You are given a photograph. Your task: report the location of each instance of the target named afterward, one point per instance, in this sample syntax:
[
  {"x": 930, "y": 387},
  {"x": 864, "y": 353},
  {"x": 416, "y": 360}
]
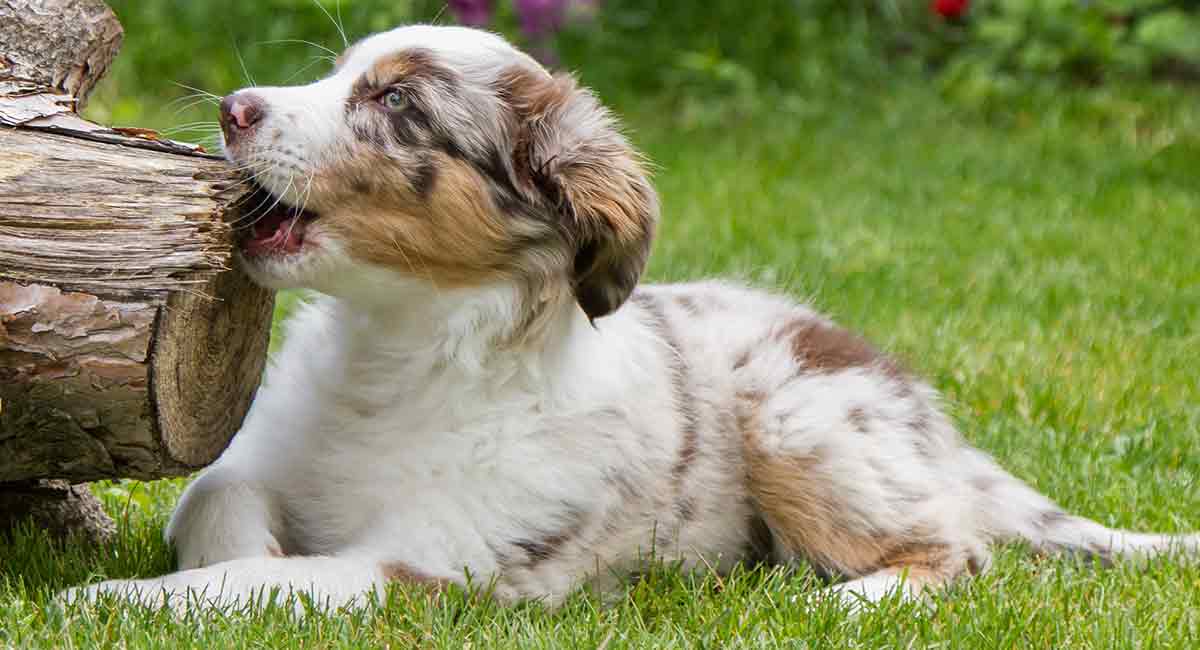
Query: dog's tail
[{"x": 1013, "y": 511}]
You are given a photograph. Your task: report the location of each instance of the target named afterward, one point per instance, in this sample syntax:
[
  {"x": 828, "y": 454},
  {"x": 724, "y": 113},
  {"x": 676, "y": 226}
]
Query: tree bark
[
  {"x": 58, "y": 507},
  {"x": 129, "y": 344},
  {"x": 58, "y": 47}
]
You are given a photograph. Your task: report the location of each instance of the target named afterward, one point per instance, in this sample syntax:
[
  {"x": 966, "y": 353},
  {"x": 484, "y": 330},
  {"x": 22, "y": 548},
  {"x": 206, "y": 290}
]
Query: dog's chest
[{"x": 450, "y": 490}]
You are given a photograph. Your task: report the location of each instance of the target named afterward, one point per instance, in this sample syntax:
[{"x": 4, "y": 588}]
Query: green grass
[{"x": 1037, "y": 261}]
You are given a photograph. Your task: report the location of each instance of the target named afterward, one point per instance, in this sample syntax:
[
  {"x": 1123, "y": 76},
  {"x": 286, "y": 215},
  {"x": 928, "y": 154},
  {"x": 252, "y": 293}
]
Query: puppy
[{"x": 482, "y": 388}]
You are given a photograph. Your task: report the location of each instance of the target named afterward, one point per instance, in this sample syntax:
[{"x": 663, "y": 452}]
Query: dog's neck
[{"x": 474, "y": 332}]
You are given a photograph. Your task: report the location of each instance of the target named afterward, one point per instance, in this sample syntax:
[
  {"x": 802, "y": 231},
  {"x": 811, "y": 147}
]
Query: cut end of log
[{"x": 207, "y": 362}]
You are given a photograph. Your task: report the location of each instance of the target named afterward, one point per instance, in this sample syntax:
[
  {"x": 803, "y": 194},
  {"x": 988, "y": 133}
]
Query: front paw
[{"x": 149, "y": 593}]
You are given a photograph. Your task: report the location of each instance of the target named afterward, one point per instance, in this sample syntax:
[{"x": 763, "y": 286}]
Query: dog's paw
[{"x": 149, "y": 593}]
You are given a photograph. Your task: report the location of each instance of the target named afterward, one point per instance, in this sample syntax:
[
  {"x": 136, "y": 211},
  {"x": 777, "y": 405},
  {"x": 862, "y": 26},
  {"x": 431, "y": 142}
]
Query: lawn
[{"x": 1035, "y": 259}]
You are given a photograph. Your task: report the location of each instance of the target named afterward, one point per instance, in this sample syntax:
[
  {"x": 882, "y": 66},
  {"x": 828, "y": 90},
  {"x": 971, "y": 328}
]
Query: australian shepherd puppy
[{"x": 483, "y": 388}]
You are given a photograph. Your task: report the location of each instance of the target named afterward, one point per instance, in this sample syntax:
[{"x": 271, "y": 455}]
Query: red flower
[{"x": 950, "y": 9}]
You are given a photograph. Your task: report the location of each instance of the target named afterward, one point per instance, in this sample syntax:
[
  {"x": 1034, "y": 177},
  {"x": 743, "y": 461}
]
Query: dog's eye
[{"x": 394, "y": 99}]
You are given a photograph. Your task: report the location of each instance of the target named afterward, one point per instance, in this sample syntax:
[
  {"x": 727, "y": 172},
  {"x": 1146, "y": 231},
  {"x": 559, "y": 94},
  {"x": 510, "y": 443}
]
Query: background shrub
[{"x": 705, "y": 59}]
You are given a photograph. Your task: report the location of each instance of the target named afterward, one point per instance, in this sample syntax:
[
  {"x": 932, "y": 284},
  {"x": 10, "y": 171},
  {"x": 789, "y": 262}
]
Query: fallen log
[{"x": 130, "y": 345}]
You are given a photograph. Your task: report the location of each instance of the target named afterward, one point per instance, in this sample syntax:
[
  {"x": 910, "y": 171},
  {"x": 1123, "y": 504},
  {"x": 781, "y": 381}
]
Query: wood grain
[
  {"x": 208, "y": 361},
  {"x": 90, "y": 216}
]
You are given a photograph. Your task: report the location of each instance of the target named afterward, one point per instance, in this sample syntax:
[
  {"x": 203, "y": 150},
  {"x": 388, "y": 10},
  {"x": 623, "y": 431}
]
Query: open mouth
[{"x": 271, "y": 227}]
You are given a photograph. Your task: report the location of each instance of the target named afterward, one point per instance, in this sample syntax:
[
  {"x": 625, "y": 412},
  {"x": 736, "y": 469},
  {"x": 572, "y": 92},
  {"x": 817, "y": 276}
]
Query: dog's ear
[{"x": 568, "y": 148}]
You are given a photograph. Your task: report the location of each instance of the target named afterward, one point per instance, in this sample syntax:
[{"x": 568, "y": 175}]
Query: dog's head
[{"x": 442, "y": 155}]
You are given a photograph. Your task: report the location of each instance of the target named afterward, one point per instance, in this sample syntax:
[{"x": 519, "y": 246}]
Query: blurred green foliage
[
  {"x": 710, "y": 57},
  {"x": 998, "y": 42},
  {"x": 653, "y": 45}
]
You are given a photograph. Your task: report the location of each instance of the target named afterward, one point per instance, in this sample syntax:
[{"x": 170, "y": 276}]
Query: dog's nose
[{"x": 240, "y": 112}]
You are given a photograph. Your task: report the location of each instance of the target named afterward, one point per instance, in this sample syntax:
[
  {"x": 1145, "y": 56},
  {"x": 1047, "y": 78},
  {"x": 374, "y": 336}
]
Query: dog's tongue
[{"x": 278, "y": 231}]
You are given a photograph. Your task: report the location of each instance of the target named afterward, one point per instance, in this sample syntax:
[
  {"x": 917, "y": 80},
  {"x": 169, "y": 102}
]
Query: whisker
[
  {"x": 251, "y": 214},
  {"x": 192, "y": 125},
  {"x": 278, "y": 198},
  {"x": 250, "y": 165},
  {"x": 301, "y": 41},
  {"x": 342, "y": 32},
  {"x": 441, "y": 12},
  {"x": 254, "y": 170},
  {"x": 194, "y": 103},
  {"x": 240, "y": 183},
  {"x": 194, "y": 98},
  {"x": 236, "y": 185},
  {"x": 198, "y": 90},
  {"x": 189, "y": 107},
  {"x": 237, "y": 51},
  {"x": 306, "y": 67},
  {"x": 292, "y": 225},
  {"x": 193, "y": 130},
  {"x": 308, "y": 190},
  {"x": 337, "y": 5}
]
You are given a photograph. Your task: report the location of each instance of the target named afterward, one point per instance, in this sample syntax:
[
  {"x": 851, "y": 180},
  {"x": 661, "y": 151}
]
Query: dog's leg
[
  {"x": 866, "y": 496},
  {"x": 863, "y": 479},
  {"x": 329, "y": 581},
  {"x": 223, "y": 516},
  {"x": 909, "y": 572}
]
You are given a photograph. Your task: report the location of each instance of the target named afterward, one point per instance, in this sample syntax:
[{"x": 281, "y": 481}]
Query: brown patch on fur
[
  {"x": 927, "y": 564},
  {"x": 921, "y": 420},
  {"x": 687, "y": 452},
  {"x": 542, "y": 549},
  {"x": 450, "y": 233},
  {"x": 857, "y": 417},
  {"x": 402, "y": 572},
  {"x": 688, "y": 304},
  {"x": 685, "y": 405},
  {"x": 828, "y": 348},
  {"x": 926, "y": 557},
  {"x": 548, "y": 546},
  {"x": 411, "y": 66},
  {"x": 685, "y": 509},
  {"x": 798, "y": 502}
]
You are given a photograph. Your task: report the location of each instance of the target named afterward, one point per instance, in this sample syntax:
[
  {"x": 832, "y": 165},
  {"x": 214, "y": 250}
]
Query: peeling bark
[
  {"x": 96, "y": 386},
  {"x": 59, "y": 47}
]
